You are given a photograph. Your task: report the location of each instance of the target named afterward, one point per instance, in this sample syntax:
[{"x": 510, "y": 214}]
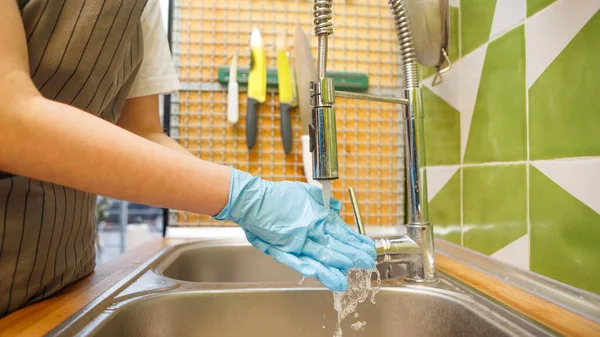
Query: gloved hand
[{"x": 288, "y": 221}]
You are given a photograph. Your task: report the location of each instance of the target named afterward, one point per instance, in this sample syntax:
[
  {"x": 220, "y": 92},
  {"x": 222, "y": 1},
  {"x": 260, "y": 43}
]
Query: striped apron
[{"x": 84, "y": 53}]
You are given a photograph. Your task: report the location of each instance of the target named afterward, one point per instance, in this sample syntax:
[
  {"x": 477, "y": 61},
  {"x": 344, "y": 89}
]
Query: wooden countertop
[{"x": 41, "y": 317}]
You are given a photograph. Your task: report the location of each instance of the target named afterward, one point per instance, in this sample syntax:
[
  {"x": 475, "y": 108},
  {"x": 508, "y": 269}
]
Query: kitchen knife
[
  {"x": 257, "y": 85},
  {"x": 305, "y": 73},
  {"x": 232, "y": 94},
  {"x": 286, "y": 95}
]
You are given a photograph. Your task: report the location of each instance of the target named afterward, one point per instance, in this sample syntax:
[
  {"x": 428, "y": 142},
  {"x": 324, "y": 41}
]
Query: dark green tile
[
  {"x": 444, "y": 210},
  {"x": 498, "y": 128},
  {"x": 453, "y": 48},
  {"x": 494, "y": 203},
  {"x": 442, "y": 130},
  {"x": 534, "y": 6},
  {"x": 565, "y": 235},
  {"x": 564, "y": 116},
  {"x": 476, "y": 23}
]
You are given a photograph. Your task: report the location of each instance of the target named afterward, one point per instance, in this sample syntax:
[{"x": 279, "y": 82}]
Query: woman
[{"x": 79, "y": 81}]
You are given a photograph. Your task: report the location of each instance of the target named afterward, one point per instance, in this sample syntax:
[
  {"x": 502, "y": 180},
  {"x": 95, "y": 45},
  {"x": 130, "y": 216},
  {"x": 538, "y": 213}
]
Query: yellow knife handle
[
  {"x": 257, "y": 79},
  {"x": 284, "y": 79}
]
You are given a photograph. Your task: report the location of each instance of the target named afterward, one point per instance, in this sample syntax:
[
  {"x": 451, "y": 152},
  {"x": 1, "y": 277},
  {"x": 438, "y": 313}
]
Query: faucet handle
[{"x": 356, "y": 210}]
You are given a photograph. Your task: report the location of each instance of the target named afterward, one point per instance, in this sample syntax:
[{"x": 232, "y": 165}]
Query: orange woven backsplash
[{"x": 370, "y": 143}]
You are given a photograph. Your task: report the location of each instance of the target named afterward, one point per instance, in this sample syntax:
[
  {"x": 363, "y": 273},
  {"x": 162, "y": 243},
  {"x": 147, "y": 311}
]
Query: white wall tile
[
  {"x": 471, "y": 69},
  {"x": 507, "y": 15},
  {"x": 516, "y": 253},
  {"x": 578, "y": 176},
  {"x": 460, "y": 87},
  {"x": 438, "y": 177}
]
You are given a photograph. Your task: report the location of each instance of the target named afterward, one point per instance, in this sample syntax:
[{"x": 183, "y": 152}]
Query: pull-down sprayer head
[{"x": 322, "y": 131}]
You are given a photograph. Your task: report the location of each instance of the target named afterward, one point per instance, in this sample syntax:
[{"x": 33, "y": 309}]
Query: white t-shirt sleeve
[{"x": 157, "y": 73}]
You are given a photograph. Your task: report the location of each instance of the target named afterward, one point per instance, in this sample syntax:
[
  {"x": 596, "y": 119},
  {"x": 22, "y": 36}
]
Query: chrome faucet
[{"x": 415, "y": 248}]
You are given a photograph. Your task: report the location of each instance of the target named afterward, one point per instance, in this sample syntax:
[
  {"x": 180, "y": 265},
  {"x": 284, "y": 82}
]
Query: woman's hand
[{"x": 288, "y": 221}]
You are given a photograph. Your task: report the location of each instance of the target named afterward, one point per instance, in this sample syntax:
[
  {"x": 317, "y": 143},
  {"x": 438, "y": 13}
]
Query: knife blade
[
  {"x": 286, "y": 94},
  {"x": 257, "y": 85},
  {"x": 305, "y": 73}
]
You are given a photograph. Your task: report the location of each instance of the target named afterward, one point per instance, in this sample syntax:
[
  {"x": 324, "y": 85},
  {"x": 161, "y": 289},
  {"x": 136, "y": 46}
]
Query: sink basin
[
  {"x": 227, "y": 263},
  {"x": 235, "y": 263},
  {"x": 402, "y": 312},
  {"x": 227, "y": 288}
]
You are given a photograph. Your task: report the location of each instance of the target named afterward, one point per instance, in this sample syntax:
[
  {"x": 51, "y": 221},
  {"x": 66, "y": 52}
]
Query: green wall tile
[
  {"x": 476, "y": 20},
  {"x": 565, "y": 235},
  {"x": 453, "y": 52},
  {"x": 498, "y": 129},
  {"x": 494, "y": 203},
  {"x": 444, "y": 210},
  {"x": 534, "y": 6},
  {"x": 563, "y": 102},
  {"x": 442, "y": 130}
]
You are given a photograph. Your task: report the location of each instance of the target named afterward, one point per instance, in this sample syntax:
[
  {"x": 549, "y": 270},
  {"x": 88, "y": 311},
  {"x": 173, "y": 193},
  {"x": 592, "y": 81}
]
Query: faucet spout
[
  {"x": 401, "y": 249},
  {"x": 416, "y": 248}
]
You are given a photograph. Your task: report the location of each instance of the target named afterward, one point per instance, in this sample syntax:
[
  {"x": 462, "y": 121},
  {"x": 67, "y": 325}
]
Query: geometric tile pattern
[
  {"x": 442, "y": 131},
  {"x": 438, "y": 177},
  {"x": 577, "y": 176},
  {"x": 534, "y": 6},
  {"x": 563, "y": 102},
  {"x": 507, "y": 15},
  {"x": 444, "y": 210},
  {"x": 564, "y": 235},
  {"x": 460, "y": 87},
  {"x": 476, "y": 23},
  {"x": 526, "y": 187},
  {"x": 494, "y": 201},
  {"x": 516, "y": 253},
  {"x": 546, "y": 39},
  {"x": 498, "y": 128}
]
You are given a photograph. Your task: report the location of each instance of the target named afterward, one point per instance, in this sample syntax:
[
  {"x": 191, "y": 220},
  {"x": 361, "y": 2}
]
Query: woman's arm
[
  {"x": 54, "y": 142},
  {"x": 140, "y": 116}
]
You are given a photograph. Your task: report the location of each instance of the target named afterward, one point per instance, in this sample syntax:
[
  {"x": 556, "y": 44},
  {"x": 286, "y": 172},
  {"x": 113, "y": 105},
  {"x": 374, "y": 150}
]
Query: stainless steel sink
[
  {"x": 227, "y": 288},
  {"x": 274, "y": 313},
  {"x": 227, "y": 263},
  {"x": 234, "y": 262}
]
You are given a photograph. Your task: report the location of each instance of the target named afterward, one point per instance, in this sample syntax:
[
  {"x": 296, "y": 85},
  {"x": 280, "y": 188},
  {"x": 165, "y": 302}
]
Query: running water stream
[
  {"x": 326, "y": 193},
  {"x": 359, "y": 288},
  {"x": 359, "y": 284}
]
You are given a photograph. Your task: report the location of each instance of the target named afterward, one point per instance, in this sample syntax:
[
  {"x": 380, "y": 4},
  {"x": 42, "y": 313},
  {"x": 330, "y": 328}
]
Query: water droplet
[{"x": 358, "y": 325}]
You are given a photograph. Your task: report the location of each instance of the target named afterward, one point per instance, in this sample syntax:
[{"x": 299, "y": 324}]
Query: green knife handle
[
  {"x": 286, "y": 128},
  {"x": 251, "y": 122}
]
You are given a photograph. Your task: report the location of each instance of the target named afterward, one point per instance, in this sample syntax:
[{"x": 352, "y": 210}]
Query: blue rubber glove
[{"x": 288, "y": 221}]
